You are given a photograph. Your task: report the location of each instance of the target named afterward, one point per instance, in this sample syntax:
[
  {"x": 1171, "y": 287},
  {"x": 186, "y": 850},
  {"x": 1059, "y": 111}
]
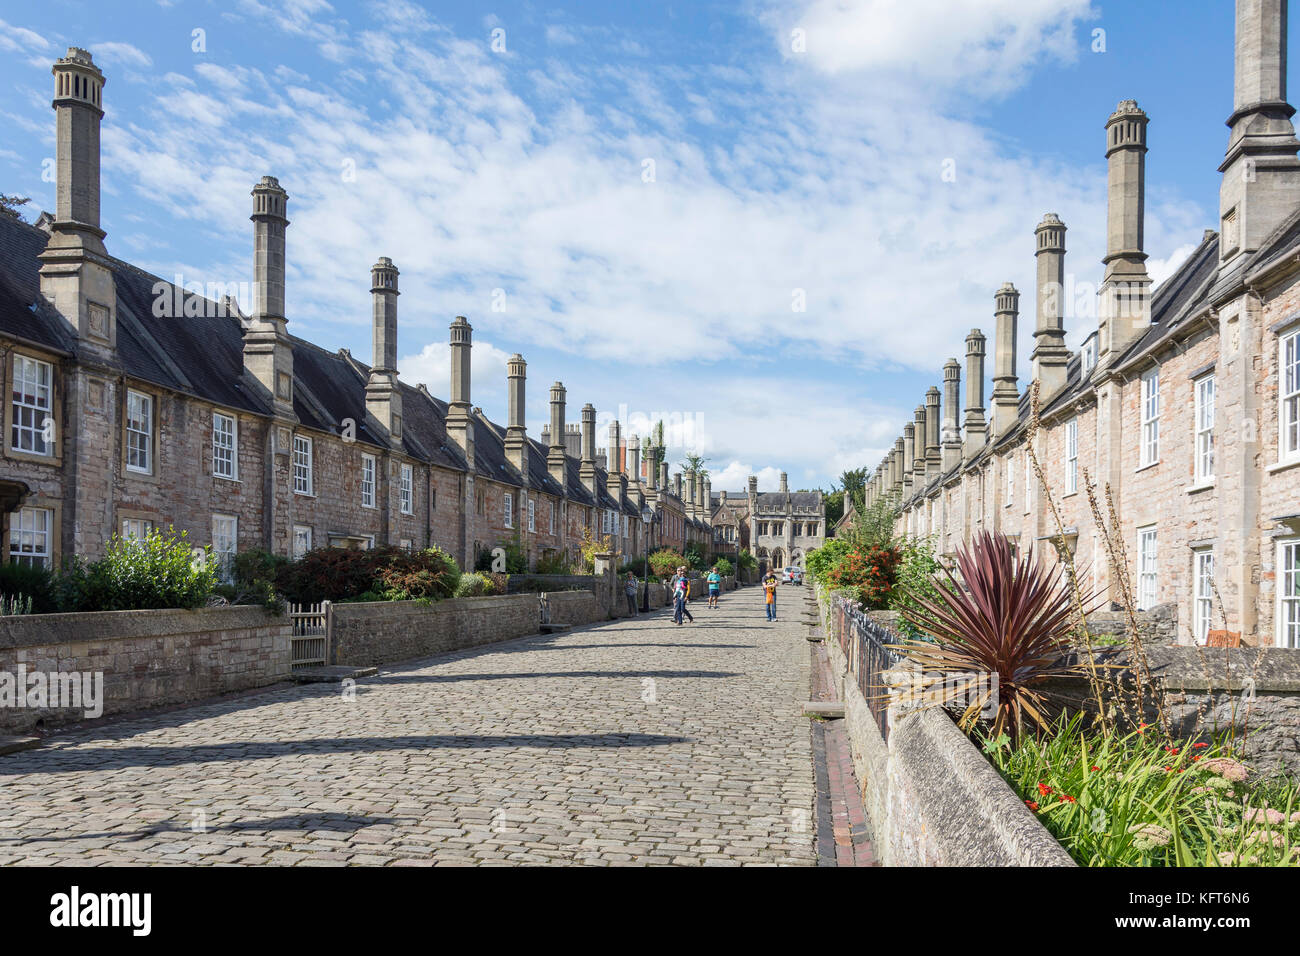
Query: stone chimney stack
[
  {"x": 899, "y": 471},
  {"x": 976, "y": 429},
  {"x": 614, "y": 467},
  {"x": 663, "y": 468},
  {"x": 1050, "y": 354},
  {"x": 677, "y": 485},
  {"x": 1261, "y": 174},
  {"x": 692, "y": 509},
  {"x": 573, "y": 441},
  {"x": 1125, "y": 306},
  {"x": 909, "y": 452},
  {"x": 516, "y": 442},
  {"x": 460, "y": 424},
  {"x": 652, "y": 465},
  {"x": 1006, "y": 397},
  {"x": 383, "y": 396},
  {"x": 545, "y": 436},
  {"x": 268, "y": 353},
  {"x": 951, "y": 431},
  {"x": 634, "y": 457},
  {"x": 587, "y": 468},
  {"x": 933, "y": 449},
  {"x": 706, "y": 500},
  {"x": 555, "y": 453},
  {"x": 918, "y": 448},
  {"x": 75, "y": 277}
]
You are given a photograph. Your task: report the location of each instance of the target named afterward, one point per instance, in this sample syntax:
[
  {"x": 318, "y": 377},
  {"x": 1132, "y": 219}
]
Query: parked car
[{"x": 791, "y": 576}]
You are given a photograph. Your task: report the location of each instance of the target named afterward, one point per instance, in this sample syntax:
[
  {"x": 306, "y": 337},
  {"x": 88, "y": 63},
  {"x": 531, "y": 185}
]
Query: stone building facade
[
  {"x": 778, "y": 527},
  {"x": 133, "y": 404},
  {"x": 1184, "y": 400}
]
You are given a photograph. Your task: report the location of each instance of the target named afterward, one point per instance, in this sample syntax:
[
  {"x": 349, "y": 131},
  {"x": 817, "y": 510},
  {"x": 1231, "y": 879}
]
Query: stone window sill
[
  {"x": 1146, "y": 466},
  {"x": 1203, "y": 486},
  {"x": 1282, "y": 466}
]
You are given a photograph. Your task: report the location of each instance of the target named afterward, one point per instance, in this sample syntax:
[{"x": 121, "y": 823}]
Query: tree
[
  {"x": 10, "y": 205},
  {"x": 694, "y": 461}
]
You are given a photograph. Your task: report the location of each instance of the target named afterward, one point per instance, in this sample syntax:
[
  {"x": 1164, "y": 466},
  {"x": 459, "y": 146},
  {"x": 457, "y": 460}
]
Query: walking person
[
  {"x": 681, "y": 594},
  {"x": 769, "y": 595},
  {"x": 715, "y": 585},
  {"x": 630, "y": 588}
]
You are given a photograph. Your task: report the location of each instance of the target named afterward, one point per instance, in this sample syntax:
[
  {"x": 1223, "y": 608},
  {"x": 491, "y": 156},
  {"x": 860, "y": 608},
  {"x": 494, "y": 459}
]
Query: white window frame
[
  {"x": 369, "y": 474},
  {"x": 1088, "y": 356},
  {"x": 1203, "y": 424},
  {"x": 1288, "y": 593},
  {"x": 136, "y": 528},
  {"x": 1288, "y": 389},
  {"x": 1148, "y": 568},
  {"x": 1202, "y": 593},
  {"x": 552, "y": 525},
  {"x": 30, "y": 534},
  {"x": 139, "y": 441},
  {"x": 532, "y": 515},
  {"x": 301, "y": 533},
  {"x": 225, "y": 446},
  {"x": 508, "y": 505},
  {"x": 1150, "y": 412},
  {"x": 406, "y": 490},
  {"x": 1011, "y": 480},
  {"x": 303, "y": 479},
  {"x": 225, "y": 532},
  {"x": 1072, "y": 456},
  {"x": 31, "y": 405}
]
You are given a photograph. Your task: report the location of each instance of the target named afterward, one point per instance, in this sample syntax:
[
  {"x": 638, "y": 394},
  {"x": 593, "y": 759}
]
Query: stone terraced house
[
  {"x": 1185, "y": 400},
  {"x": 134, "y": 405}
]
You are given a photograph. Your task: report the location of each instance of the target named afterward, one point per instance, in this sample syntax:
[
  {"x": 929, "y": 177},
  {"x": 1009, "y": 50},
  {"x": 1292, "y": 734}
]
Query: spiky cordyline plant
[{"x": 1011, "y": 619}]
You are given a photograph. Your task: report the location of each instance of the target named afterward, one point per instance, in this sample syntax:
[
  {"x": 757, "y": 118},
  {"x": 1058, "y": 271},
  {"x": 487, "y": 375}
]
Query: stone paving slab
[{"x": 632, "y": 742}]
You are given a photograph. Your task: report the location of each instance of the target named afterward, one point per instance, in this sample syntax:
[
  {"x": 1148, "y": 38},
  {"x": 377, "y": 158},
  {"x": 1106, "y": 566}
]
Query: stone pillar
[
  {"x": 1261, "y": 174},
  {"x": 1050, "y": 354},
  {"x": 1125, "y": 306},
  {"x": 976, "y": 430},
  {"x": 951, "y": 431},
  {"x": 1006, "y": 396},
  {"x": 555, "y": 453},
  {"x": 933, "y": 450}
]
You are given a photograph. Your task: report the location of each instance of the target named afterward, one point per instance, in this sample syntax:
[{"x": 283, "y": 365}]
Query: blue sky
[{"x": 636, "y": 197}]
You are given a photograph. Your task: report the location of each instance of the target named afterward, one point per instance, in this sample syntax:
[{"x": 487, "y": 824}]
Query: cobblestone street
[{"x": 635, "y": 741}]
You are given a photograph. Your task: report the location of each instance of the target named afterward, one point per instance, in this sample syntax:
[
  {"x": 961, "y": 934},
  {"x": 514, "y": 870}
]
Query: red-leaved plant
[{"x": 1007, "y": 617}]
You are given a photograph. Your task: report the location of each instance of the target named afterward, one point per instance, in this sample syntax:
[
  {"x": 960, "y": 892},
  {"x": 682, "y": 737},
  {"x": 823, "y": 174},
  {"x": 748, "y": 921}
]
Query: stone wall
[
  {"x": 383, "y": 632},
  {"x": 931, "y": 797},
  {"x": 147, "y": 658}
]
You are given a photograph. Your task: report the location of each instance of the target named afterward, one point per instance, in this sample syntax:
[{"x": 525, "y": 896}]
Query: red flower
[
  {"x": 1196, "y": 758},
  {"x": 1168, "y": 768},
  {"x": 1067, "y": 798},
  {"x": 1031, "y": 805},
  {"x": 1199, "y": 746},
  {"x": 1096, "y": 769},
  {"x": 1172, "y": 750},
  {"x": 1044, "y": 789}
]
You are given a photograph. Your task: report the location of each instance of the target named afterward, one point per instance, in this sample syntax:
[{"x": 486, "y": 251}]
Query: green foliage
[
  {"x": 1142, "y": 799},
  {"x": 917, "y": 579},
  {"x": 515, "y": 555},
  {"x": 473, "y": 584},
  {"x": 387, "y": 574},
  {"x": 695, "y": 558},
  {"x": 871, "y": 573},
  {"x": 253, "y": 575},
  {"x": 159, "y": 570},
  {"x": 553, "y": 563},
  {"x": 32, "y": 585},
  {"x": 15, "y": 606},
  {"x": 664, "y": 563},
  {"x": 820, "y": 561},
  {"x": 11, "y": 206},
  {"x": 724, "y": 567},
  {"x": 746, "y": 560},
  {"x": 874, "y": 525}
]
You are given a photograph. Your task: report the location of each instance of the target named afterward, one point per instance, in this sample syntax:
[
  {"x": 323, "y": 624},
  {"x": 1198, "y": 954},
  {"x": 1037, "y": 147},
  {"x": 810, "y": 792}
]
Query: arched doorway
[{"x": 778, "y": 559}]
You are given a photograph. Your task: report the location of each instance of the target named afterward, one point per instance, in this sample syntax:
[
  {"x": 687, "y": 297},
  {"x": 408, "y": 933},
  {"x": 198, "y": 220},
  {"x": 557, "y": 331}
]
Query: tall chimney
[
  {"x": 383, "y": 396},
  {"x": 587, "y": 468},
  {"x": 976, "y": 428},
  {"x": 555, "y": 453},
  {"x": 706, "y": 498},
  {"x": 1261, "y": 174},
  {"x": 652, "y": 465},
  {"x": 918, "y": 448},
  {"x": 933, "y": 450},
  {"x": 74, "y": 277},
  {"x": 460, "y": 426},
  {"x": 1050, "y": 354},
  {"x": 951, "y": 431},
  {"x": 677, "y": 485},
  {"x": 908, "y": 456},
  {"x": 1125, "y": 307},
  {"x": 663, "y": 468},
  {"x": 1006, "y": 397},
  {"x": 900, "y": 474},
  {"x": 516, "y": 432},
  {"x": 613, "y": 472},
  {"x": 268, "y": 353},
  {"x": 634, "y": 457},
  {"x": 689, "y": 486}
]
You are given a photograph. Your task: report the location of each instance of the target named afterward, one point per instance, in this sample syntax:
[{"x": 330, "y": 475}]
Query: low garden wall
[
  {"x": 931, "y": 797},
  {"x": 382, "y": 632},
  {"x": 146, "y": 658}
]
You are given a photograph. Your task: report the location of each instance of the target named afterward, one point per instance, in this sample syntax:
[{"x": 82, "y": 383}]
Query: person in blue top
[{"x": 715, "y": 585}]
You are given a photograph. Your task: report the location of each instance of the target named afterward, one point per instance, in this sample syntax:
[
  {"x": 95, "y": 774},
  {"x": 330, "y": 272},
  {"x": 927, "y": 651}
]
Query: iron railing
[{"x": 864, "y": 644}]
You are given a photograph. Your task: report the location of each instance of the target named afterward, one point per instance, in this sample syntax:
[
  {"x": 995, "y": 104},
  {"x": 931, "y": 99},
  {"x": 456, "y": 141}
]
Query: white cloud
[
  {"x": 1162, "y": 269},
  {"x": 432, "y": 366},
  {"x": 984, "y": 45},
  {"x": 124, "y": 54},
  {"x": 15, "y": 39},
  {"x": 735, "y": 477}
]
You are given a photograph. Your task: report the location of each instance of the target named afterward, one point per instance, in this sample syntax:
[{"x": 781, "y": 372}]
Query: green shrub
[
  {"x": 15, "y": 606},
  {"x": 387, "y": 573},
  {"x": 746, "y": 560},
  {"x": 473, "y": 584},
  {"x": 918, "y": 572},
  {"x": 516, "y": 558},
  {"x": 664, "y": 563},
  {"x": 821, "y": 560},
  {"x": 871, "y": 573},
  {"x": 724, "y": 567},
  {"x": 33, "y": 584},
  {"x": 553, "y": 562},
  {"x": 160, "y": 570}
]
